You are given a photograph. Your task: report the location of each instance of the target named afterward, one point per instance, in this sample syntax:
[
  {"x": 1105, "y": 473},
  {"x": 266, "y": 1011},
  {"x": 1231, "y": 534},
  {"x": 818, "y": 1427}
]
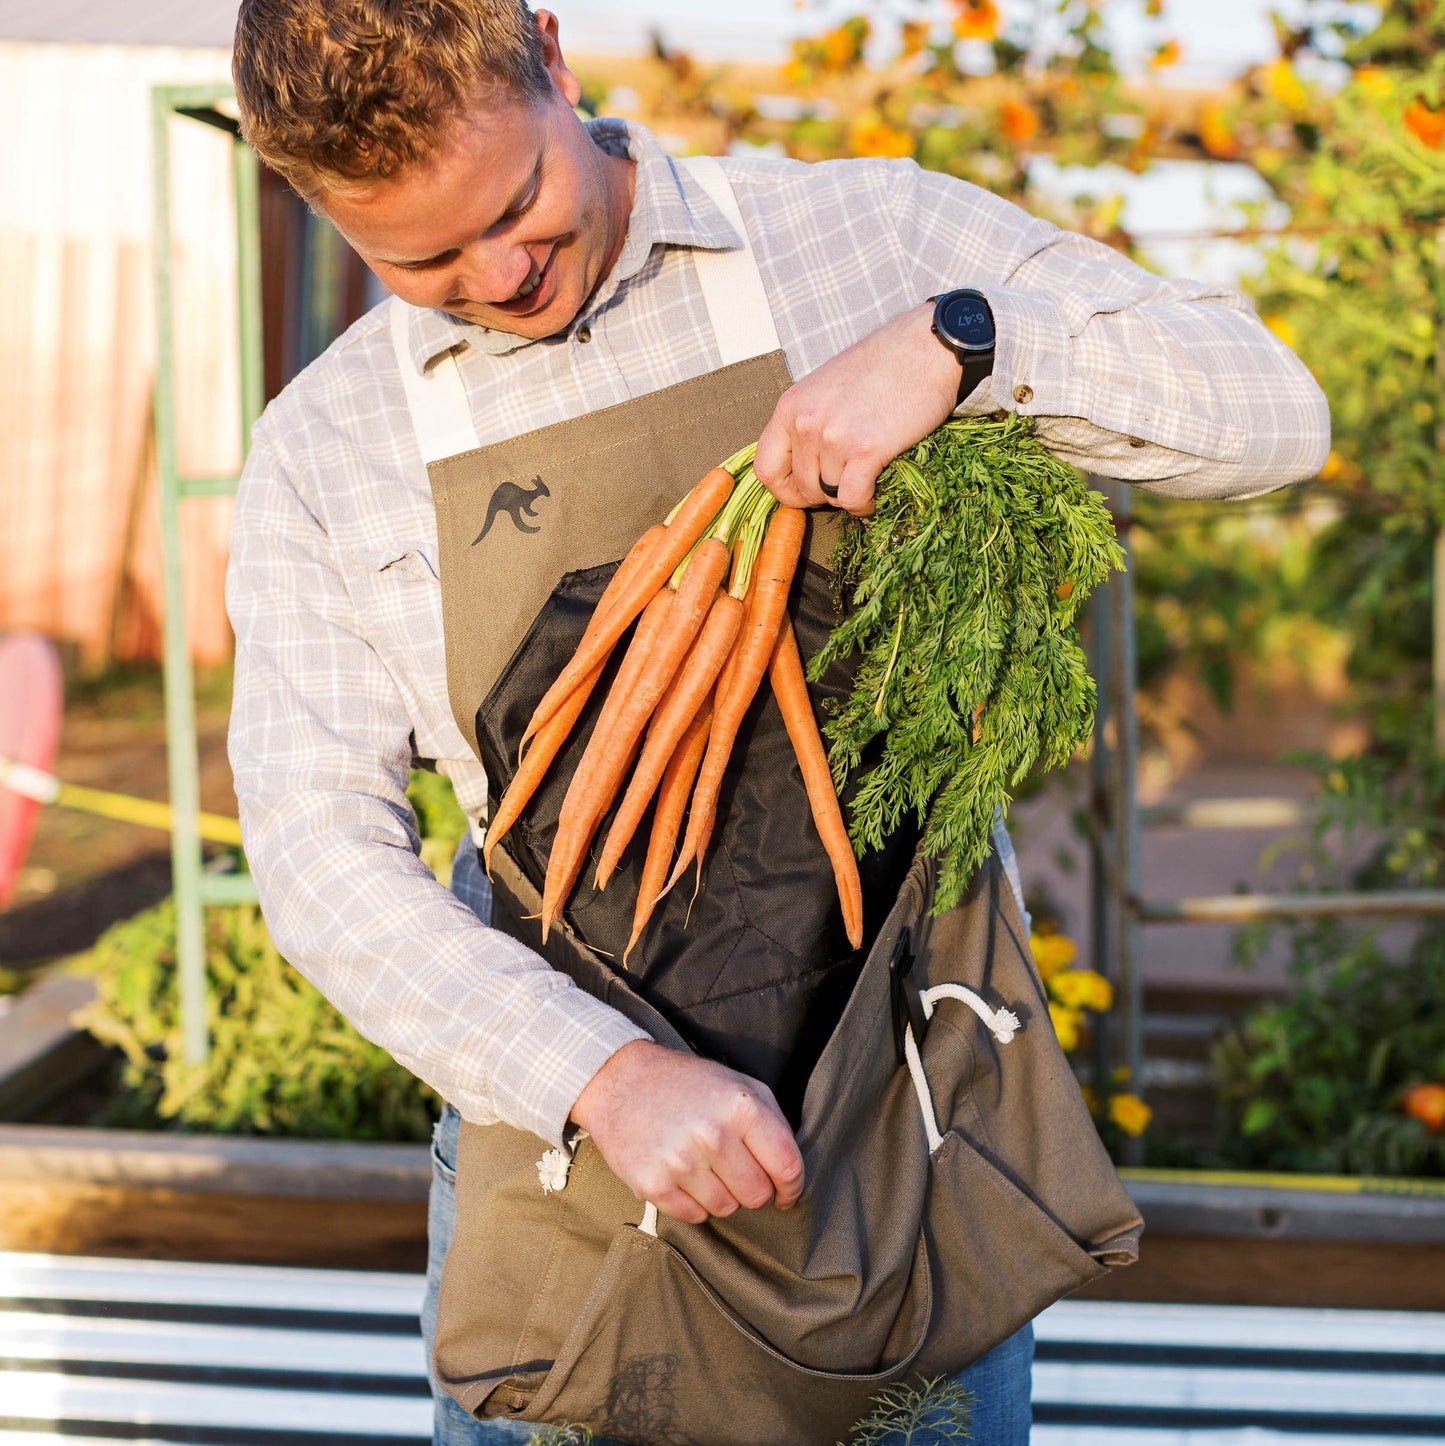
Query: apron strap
[
  {"x": 441, "y": 416},
  {"x": 732, "y": 289},
  {"x": 732, "y": 285}
]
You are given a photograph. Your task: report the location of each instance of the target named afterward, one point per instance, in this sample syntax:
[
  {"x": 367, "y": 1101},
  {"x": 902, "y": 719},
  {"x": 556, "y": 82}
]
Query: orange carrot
[
  {"x": 697, "y": 512},
  {"x": 791, "y": 690},
  {"x": 672, "y": 795},
  {"x": 549, "y": 739},
  {"x": 772, "y": 577},
  {"x": 630, "y": 704},
  {"x": 693, "y": 683},
  {"x": 577, "y": 821}
]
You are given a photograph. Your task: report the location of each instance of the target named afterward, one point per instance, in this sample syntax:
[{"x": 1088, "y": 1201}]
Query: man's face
[{"x": 511, "y": 224}]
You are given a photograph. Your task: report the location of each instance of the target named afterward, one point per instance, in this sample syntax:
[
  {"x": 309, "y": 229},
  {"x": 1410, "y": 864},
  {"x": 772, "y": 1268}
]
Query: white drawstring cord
[{"x": 1003, "y": 1024}]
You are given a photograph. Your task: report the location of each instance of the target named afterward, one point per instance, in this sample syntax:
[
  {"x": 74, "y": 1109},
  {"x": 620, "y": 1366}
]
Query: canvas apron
[{"x": 955, "y": 1182}]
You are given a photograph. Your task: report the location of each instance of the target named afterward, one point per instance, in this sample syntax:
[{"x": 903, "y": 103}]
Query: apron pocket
[
  {"x": 670, "y": 1363},
  {"x": 1000, "y": 1258}
]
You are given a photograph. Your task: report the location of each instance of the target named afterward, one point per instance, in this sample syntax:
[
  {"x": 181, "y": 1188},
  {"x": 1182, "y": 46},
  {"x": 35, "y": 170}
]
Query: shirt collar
[{"x": 669, "y": 208}]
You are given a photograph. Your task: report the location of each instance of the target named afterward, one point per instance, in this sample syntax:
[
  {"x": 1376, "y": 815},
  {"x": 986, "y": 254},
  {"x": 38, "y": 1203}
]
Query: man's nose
[{"x": 492, "y": 273}]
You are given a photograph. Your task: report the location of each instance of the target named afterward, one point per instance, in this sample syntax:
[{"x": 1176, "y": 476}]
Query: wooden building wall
[{"x": 79, "y": 540}]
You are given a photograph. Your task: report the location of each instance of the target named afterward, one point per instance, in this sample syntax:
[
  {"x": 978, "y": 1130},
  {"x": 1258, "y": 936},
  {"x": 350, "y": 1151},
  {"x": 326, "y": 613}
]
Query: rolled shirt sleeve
[
  {"x": 1174, "y": 385},
  {"x": 320, "y": 747}
]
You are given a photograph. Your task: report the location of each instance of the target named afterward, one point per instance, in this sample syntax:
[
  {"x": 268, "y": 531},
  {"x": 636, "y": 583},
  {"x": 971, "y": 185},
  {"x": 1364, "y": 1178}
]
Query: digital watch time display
[{"x": 963, "y": 322}]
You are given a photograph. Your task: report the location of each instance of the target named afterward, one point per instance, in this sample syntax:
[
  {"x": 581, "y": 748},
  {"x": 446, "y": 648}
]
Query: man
[{"x": 556, "y": 263}]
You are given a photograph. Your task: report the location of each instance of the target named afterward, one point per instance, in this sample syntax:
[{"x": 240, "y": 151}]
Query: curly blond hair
[{"x": 338, "y": 91}]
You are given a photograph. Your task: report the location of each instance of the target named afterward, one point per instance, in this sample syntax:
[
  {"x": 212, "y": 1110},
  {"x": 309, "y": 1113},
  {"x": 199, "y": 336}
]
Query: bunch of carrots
[{"x": 708, "y": 589}]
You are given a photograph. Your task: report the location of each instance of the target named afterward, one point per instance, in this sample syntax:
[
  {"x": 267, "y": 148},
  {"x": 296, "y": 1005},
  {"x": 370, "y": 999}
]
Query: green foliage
[
  {"x": 1314, "y": 1082},
  {"x": 936, "y": 1413},
  {"x": 564, "y": 1435},
  {"x": 965, "y": 585},
  {"x": 933, "y": 1414},
  {"x": 282, "y": 1060},
  {"x": 1363, "y": 302},
  {"x": 439, "y": 820}
]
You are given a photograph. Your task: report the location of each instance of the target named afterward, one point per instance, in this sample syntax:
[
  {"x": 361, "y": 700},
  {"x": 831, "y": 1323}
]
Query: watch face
[{"x": 968, "y": 319}]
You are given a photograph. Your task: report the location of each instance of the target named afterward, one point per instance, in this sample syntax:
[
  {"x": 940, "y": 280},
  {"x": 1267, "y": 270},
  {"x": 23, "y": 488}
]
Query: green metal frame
[
  {"x": 194, "y": 887},
  {"x": 1118, "y": 911}
]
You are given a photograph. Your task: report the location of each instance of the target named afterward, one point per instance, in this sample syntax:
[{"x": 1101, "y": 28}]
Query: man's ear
[{"x": 562, "y": 77}]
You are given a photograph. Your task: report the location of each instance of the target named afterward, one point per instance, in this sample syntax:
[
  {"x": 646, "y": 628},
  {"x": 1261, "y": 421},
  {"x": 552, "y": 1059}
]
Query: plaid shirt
[{"x": 333, "y": 590}]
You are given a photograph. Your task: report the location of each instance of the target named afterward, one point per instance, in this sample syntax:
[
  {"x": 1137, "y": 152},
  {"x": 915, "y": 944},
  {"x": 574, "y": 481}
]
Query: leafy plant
[
  {"x": 932, "y": 1414},
  {"x": 282, "y": 1059},
  {"x": 1319, "y": 1081},
  {"x": 965, "y": 586}
]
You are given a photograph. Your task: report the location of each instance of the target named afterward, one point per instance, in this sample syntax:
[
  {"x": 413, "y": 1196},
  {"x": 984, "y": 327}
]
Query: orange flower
[
  {"x": 1426, "y": 125},
  {"x": 976, "y": 20},
  {"x": 1426, "y": 1103},
  {"x": 870, "y": 135},
  {"x": 1018, "y": 120},
  {"x": 1165, "y": 55},
  {"x": 1216, "y": 135}
]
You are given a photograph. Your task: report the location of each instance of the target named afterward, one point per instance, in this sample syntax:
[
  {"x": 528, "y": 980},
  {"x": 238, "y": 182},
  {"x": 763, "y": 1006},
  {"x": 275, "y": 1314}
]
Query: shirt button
[
  {"x": 584, "y": 333},
  {"x": 1023, "y": 395},
  {"x": 1136, "y": 441}
]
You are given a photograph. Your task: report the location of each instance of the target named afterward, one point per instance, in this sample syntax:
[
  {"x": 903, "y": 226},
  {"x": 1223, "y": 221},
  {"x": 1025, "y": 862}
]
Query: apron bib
[{"x": 770, "y": 1326}]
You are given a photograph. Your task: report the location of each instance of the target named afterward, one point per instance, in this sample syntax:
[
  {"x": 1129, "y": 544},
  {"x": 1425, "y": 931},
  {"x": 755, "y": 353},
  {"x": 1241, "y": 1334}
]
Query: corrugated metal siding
[
  {"x": 152, "y": 22},
  {"x": 77, "y": 484}
]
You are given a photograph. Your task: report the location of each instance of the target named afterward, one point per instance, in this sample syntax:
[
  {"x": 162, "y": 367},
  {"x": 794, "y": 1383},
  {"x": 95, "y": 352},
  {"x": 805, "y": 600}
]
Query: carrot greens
[{"x": 964, "y": 587}]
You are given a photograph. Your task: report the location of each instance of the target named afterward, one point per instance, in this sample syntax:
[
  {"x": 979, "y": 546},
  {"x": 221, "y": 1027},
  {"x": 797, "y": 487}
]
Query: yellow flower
[
  {"x": 1082, "y": 989},
  {"x": 1066, "y": 1024},
  {"x": 1051, "y": 952},
  {"x": 913, "y": 36},
  {"x": 1130, "y": 1113},
  {"x": 1281, "y": 83},
  {"x": 1373, "y": 82},
  {"x": 1282, "y": 327},
  {"x": 1165, "y": 55}
]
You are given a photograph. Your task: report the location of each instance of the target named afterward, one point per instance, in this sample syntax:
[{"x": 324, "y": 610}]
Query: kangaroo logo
[{"x": 515, "y": 502}]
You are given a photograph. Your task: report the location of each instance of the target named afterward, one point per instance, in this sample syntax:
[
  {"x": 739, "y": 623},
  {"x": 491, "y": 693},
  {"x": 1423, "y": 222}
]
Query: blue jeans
[{"x": 1000, "y": 1382}]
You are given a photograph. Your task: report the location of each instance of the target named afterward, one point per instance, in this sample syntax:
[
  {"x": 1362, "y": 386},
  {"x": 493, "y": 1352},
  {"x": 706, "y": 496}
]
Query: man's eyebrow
[{"x": 513, "y": 201}]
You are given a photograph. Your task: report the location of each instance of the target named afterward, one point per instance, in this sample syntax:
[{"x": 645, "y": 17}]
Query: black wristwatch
[{"x": 963, "y": 322}]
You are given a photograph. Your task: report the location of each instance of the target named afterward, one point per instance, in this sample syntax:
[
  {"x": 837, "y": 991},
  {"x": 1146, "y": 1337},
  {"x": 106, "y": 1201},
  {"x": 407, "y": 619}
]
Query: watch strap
[{"x": 976, "y": 363}]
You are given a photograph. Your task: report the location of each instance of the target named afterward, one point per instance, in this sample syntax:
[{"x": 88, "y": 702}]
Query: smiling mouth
[{"x": 524, "y": 293}]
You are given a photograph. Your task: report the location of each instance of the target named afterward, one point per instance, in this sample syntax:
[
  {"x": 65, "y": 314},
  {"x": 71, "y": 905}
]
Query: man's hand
[
  {"x": 693, "y": 1137},
  {"x": 846, "y": 421}
]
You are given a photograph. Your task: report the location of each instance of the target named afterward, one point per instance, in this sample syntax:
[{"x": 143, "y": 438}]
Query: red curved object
[{"x": 31, "y": 701}]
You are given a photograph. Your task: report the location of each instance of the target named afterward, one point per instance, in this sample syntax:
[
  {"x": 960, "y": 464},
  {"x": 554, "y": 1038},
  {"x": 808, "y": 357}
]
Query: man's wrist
[{"x": 963, "y": 324}]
